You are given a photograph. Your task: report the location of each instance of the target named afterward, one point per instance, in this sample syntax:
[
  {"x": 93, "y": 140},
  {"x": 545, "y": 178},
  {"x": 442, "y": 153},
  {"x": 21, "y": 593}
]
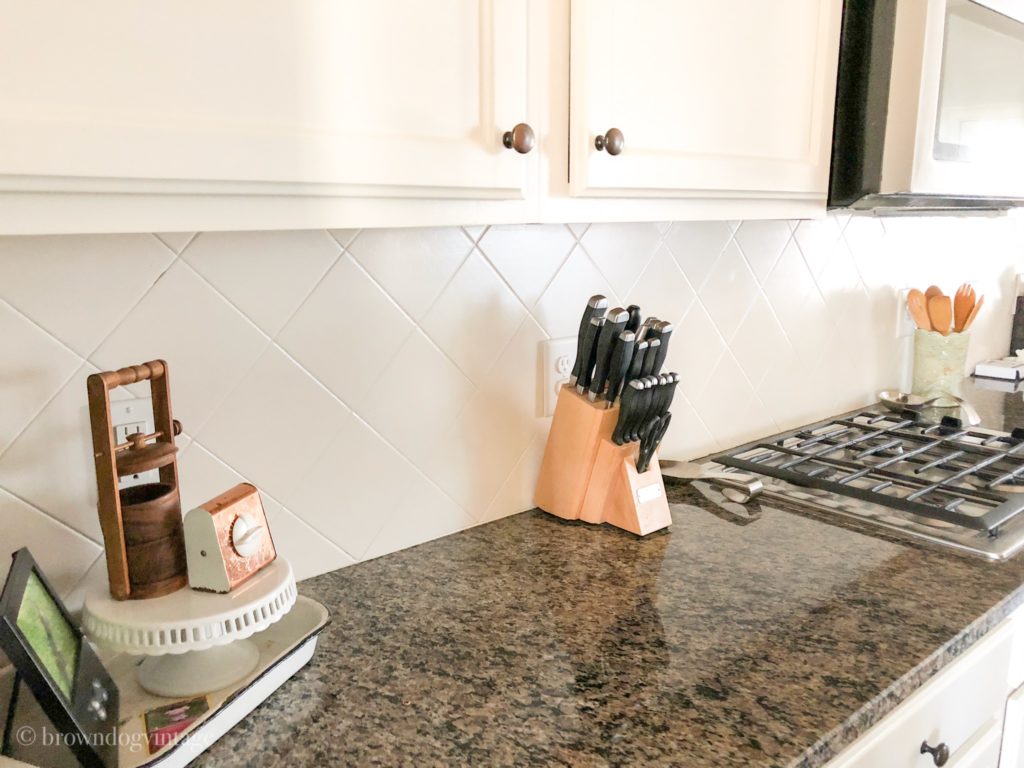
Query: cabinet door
[
  {"x": 726, "y": 98},
  {"x": 389, "y": 98},
  {"x": 1012, "y": 755}
]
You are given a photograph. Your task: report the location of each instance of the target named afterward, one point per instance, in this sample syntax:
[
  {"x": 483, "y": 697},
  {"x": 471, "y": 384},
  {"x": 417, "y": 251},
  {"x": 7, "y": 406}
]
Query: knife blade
[
  {"x": 663, "y": 333},
  {"x": 587, "y": 353},
  {"x": 630, "y": 393},
  {"x": 653, "y": 346},
  {"x": 622, "y": 356},
  {"x": 635, "y": 318},
  {"x": 595, "y": 304},
  {"x": 615, "y": 323},
  {"x": 639, "y": 351}
]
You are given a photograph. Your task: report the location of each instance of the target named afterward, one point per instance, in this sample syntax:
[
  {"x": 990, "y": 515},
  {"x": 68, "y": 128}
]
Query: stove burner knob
[{"x": 940, "y": 754}]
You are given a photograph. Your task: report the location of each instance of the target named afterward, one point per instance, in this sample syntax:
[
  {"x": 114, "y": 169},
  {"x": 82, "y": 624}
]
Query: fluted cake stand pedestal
[{"x": 195, "y": 642}]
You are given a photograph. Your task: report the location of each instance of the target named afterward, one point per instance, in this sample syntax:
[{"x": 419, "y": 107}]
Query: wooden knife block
[{"x": 586, "y": 476}]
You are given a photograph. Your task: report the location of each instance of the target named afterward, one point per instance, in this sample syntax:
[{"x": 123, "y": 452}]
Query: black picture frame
[{"x": 77, "y": 693}]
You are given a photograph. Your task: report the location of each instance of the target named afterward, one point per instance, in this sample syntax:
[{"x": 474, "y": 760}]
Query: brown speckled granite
[{"x": 532, "y": 641}]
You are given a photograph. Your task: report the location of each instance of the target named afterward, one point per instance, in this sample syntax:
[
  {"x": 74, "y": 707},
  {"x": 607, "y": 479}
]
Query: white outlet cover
[
  {"x": 559, "y": 355},
  {"x": 133, "y": 413}
]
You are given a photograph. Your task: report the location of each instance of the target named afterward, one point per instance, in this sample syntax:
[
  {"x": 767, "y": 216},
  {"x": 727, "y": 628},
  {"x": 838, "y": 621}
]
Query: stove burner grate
[{"x": 942, "y": 472}]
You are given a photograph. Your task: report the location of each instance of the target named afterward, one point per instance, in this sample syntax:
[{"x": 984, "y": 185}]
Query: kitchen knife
[
  {"x": 635, "y": 318},
  {"x": 646, "y": 327},
  {"x": 653, "y": 347},
  {"x": 622, "y": 356},
  {"x": 639, "y": 351},
  {"x": 587, "y": 353},
  {"x": 662, "y": 332},
  {"x": 615, "y": 323},
  {"x": 596, "y": 304},
  {"x": 630, "y": 392},
  {"x": 643, "y": 407}
]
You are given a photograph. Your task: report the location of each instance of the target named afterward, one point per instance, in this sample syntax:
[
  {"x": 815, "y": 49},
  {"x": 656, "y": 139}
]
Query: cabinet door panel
[
  {"x": 390, "y": 97},
  {"x": 713, "y": 98}
]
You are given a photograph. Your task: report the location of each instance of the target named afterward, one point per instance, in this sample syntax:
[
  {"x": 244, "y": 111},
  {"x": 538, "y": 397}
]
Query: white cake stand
[{"x": 195, "y": 641}]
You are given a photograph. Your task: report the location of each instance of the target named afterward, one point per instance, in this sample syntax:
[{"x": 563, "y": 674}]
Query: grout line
[
  {"x": 277, "y": 501},
  {"x": 52, "y": 517},
  {"x": 40, "y": 328},
  {"x": 45, "y": 405}
]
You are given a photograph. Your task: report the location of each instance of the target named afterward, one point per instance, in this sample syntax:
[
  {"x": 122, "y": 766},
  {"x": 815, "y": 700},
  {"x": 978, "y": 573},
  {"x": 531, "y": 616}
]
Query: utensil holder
[
  {"x": 586, "y": 476},
  {"x": 939, "y": 363}
]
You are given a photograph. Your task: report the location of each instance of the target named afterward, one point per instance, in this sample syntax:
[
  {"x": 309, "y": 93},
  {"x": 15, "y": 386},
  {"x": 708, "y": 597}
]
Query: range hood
[{"x": 929, "y": 106}]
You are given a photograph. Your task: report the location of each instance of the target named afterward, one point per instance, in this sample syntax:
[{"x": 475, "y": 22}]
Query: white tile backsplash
[{"x": 382, "y": 387}]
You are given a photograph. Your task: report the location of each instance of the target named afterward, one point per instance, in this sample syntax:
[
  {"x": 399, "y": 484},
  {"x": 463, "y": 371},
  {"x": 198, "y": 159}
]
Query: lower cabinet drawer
[{"x": 961, "y": 708}]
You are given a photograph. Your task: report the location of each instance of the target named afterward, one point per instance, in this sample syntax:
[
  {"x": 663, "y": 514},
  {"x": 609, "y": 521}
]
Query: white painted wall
[{"x": 382, "y": 387}]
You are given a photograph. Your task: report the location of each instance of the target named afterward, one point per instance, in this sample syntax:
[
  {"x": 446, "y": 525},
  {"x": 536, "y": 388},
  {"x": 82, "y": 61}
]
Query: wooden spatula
[
  {"x": 933, "y": 290},
  {"x": 974, "y": 313},
  {"x": 940, "y": 310},
  {"x": 917, "y": 305},
  {"x": 963, "y": 305}
]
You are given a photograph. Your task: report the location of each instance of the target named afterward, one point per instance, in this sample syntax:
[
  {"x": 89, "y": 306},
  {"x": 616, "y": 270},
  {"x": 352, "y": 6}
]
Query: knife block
[{"x": 586, "y": 476}]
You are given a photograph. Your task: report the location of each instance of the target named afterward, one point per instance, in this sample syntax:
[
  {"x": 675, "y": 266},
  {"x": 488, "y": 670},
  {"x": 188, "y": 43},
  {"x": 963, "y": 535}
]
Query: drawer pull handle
[
  {"x": 612, "y": 142},
  {"x": 520, "y": 138},
  {"x": 940, "y": 754}
]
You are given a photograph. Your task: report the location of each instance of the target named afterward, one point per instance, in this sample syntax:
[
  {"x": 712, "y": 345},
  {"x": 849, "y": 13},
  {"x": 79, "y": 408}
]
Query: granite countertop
[{"x": 723, "y": 641}]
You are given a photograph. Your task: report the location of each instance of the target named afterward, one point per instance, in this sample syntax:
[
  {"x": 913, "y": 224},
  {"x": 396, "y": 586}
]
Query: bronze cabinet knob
[
  {"x": 612, "y": 142},
  {"x": 520, "y": 138},
  {"x": 940, "y": 754}
]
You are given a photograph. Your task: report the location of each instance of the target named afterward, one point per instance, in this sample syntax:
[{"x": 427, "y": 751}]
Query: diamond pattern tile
[
  {"x": 383, "y": 387},
  {"x": 78, "y": 288},
  {"x": 267, "y": 275},
  {"x": 346, "y": 332},
  {"x": 621, "y": 251},
  {"x": 476, "y": 291},
  {"x": 412, "y": 265},
  {"x": 528, "y": 256},
  {"x": 728, "y": 290}
]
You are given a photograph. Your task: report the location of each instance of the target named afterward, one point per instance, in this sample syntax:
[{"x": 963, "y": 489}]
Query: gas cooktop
[{"x": 955, "y": 486}]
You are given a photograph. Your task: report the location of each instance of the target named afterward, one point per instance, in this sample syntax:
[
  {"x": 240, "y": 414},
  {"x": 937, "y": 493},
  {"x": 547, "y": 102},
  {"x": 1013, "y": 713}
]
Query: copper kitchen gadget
[
  {"x": 142, "y": 527},
  {"x": 227, "y": 540},
  {"x": 600, "y": 463}
]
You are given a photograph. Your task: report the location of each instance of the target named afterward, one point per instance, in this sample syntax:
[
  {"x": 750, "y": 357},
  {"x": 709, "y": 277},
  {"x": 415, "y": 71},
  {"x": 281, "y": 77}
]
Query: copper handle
[
  {"x": 612, "y": 142},
  {"x": 154, "y": 369},
  {"x": 940, "y": 754},
  {"x": 520, "y": 138}
]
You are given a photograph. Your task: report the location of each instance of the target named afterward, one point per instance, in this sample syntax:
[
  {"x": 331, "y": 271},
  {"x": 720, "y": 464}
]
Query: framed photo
[{"x": 51, "y": 655}]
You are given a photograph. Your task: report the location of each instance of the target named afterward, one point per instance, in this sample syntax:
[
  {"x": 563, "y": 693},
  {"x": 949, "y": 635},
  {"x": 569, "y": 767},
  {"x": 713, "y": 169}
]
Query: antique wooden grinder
[{"x": 142, "y": 525}]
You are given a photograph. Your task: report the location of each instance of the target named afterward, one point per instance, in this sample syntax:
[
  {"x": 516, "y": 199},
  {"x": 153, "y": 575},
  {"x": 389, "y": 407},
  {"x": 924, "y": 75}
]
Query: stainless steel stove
[{"x": 961, "y": 487}]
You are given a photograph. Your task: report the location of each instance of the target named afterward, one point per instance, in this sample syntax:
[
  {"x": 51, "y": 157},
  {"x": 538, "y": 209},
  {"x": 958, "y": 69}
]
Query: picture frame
[{"x": 51, "y": 655}]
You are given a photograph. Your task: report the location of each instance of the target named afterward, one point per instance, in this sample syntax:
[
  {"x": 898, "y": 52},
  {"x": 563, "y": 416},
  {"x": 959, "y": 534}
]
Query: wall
[{"x": 381, "y": 387}]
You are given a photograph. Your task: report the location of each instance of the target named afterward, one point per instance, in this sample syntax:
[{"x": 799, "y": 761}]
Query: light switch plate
[{"x": 559, "y": 355}]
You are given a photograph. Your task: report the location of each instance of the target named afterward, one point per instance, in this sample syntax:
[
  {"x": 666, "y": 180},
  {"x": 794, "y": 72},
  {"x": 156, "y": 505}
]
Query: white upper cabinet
[
  {"x": 729, "y": 97},
  {"x": 185, "y": 115},
  {"x": 340, "y": 97}
]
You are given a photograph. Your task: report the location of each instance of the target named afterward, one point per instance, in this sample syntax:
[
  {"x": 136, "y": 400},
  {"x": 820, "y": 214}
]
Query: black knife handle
[
  {"x": 630, "y": 392},
  {"x": 643, "y": 408},
  {"x": 588, "y": 353},
  {"x": 622, "y": 356},
  {"x": 653, "y": 347},
  {"x": 639, "y": 351},
  {"x": 663, "y": 332},
  {"x": 646, "y": 326},
  {"x": 596, "y": 303},
  {"x": 614, "y": 324},
  {"x": 635, "y": 318}
]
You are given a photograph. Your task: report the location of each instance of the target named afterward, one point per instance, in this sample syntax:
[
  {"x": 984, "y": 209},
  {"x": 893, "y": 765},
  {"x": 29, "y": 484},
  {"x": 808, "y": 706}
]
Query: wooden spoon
[
  {"x": 917, "y": 305},
  {"x": 974, "y": 313},
  {"x": 933, "y": 290},
  {"x": 940, "y": 310},
  {"x": 963, "y": 305}
]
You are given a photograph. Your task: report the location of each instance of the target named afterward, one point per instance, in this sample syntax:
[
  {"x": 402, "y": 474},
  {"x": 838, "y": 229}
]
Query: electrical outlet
[
  {"x": 127, "y": 418},
  {"x": 559, "y": 355},
  {"x": 905, "y": 325}
]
